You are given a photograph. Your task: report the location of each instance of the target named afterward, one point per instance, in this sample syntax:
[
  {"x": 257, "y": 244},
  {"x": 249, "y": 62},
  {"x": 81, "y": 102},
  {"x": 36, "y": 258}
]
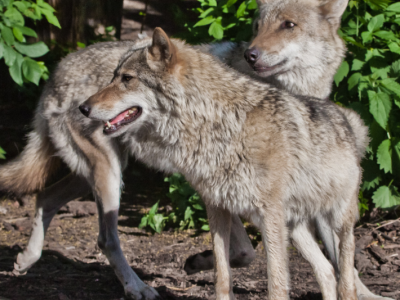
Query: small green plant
[
  {"x": 154, "y": 220},
  {"x": 14, "y": 48},
  {"x": 188, "y": 211}
]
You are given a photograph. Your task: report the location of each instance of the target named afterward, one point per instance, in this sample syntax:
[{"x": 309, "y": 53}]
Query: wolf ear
[
  {"x": 162, "y": 50},
  {"x": 333, "y": 11}
]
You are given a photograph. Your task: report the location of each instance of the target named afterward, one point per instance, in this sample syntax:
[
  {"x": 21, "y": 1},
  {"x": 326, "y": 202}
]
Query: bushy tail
[
  {"x": 28, "y": 172},
  {"x": 359, "y": 129}
]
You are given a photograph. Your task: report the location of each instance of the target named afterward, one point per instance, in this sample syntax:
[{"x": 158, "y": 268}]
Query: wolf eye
[
  {"x": 126, "y": 78},
  {"x": 287, "y": 25}
]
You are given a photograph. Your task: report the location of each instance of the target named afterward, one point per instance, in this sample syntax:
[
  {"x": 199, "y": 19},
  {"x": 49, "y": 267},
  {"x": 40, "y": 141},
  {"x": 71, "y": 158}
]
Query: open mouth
[{"x": 124, "y": 118}]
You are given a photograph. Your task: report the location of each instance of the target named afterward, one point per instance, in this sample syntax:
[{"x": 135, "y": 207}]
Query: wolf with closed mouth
[
  {"x": 248, "y": 148},
  {"x": 61, "y": 132}
]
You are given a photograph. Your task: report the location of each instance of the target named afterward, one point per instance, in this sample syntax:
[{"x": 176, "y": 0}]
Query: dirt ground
[{"x": 72, "y": 266}]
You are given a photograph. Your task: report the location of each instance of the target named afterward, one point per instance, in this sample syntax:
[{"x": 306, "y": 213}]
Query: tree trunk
[{"x": 81, "y": 20}]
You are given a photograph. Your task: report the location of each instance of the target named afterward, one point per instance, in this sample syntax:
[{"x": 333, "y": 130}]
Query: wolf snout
[
  {"x": 85, "y": 109},
  {"x": 251, "y": 55}
]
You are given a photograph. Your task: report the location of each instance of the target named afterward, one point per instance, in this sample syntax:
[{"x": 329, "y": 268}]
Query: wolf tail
[
  {"x": 28, "y": 172},
  {"x": 359, "y": 129}
]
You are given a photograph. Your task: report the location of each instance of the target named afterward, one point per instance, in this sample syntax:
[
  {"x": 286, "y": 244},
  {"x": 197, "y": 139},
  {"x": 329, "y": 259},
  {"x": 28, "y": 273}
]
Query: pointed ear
[
  {"x": 333, "y": 11},
  {"x": 162, "y": 50}
]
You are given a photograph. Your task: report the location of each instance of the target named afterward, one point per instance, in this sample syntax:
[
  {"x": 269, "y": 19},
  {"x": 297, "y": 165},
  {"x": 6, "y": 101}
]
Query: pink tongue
[{"x": 118, "y": 118}]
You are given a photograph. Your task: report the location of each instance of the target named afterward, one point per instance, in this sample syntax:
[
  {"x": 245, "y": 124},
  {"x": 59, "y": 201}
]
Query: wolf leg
[
  {"x": 48, "y": 203},
  {"x": 241, "y": 251},
  {"x": 331, "y": 243},
  {"x": 274, "y": 235},
  {"x": 220, "y": 226},
  {"x": 305, "y": 243},
  {"x": 344, "y": 227},
  {"x": 106, "y": 187}
]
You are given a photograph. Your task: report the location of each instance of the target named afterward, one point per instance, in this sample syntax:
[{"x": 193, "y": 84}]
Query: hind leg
[
  {"x": 305, "y": 243},
  {"x": 48, "y": 203},
  {"x": 241, "y": 251}
]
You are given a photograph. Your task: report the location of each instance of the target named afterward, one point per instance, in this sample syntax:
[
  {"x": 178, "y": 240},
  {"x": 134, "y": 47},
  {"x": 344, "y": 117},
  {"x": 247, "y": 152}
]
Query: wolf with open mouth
[{"x": 248, "y": 149}]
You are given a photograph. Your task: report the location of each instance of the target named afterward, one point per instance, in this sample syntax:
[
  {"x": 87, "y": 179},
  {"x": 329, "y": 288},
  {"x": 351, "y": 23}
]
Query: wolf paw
[
  {"x": 372, "y": 297},
  {"x": 199, "y": 262},
  {"x": 24, "y": 261},
  {"x": 145, "y": 293}
]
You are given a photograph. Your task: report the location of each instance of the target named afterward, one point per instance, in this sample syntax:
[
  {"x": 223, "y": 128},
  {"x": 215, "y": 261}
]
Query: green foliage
[
  {"x": 14, "y": 48},
  {"x": 188, "y": 211},
  {"x": 225, "y": 19},
  {"x": 154, "y": 220},
  {"x": 368, "y": 82},
  {"x": 2, "y": 153}
]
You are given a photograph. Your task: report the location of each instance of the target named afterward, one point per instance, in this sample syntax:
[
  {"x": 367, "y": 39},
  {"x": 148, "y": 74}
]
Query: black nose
[
  {"x": 251, "y": 55},
  {"x": 85, "y": 109}
]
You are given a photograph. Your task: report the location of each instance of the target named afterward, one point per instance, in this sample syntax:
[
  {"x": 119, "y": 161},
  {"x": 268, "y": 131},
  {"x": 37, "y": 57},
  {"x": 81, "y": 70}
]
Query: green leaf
[
  {"x": 27, "y": 31},
  {"x": 230, "y": 3},
  {"x": 14, "y": 16},
  {"x": 396, "y": 67},
  {"x": 386, "y": 197},
  {"x": 2, "y": 152},
  {"x": 354, "y": 80},
  {"x": 46, "y": 6},
  {"x": 394, "y": 47},
  {"x": 212, "y": 2},
  {"x": 241, "y": 10},
  {"x": 391, "y": 85},
  {"x": 252, "y": 5},
  {"x": 386, "y": 35},
  {"x": 7, "y": 35},
  {"x": 198, "y": 206},
  {"x": 1, "y": 50},
  {"x": 394, "y": 7},
  {"x": 342, "y": 72},
  {"x": 188, "y": 213},
  {"x": 32, "y": 50},
  {"x": 205, "y": 13},
  {"x": 158, "y": 220},
  {"x": 21, "y": 5},
  {"x": 18, "y": 34},
  {"x": 384, "y": 156},
  {"x": 205, "y": 21},
  {"x": 80, "y": 45},
  {"x": 9, "y": 55},
  {"x": 376, "y": 23},
  {"x": 216, "y": 30},
  {"x": 51, "y": 18},
  {"x": 154, "y": 208},
  {"x": 380, "y": 106},
  {"x": 205, "y": 227},
  {"x": 143, "y": 222},
  {"x": 15, "y": 69},
  {"x": 31, "y": 70},
  {"x": 357, "y": 65},
  {"x": 366, "y": 36}
]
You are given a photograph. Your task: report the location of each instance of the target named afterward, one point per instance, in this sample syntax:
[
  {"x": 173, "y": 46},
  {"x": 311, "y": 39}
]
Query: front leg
[
  {"x": 107, "y": 198},
  {"x": 274, "y": 234},
  {"x": 220, "y": 227}
]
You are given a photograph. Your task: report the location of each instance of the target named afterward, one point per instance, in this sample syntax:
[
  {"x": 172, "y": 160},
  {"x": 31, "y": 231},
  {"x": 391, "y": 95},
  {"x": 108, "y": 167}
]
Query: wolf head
[
  {"x": 296, "y": 42},
  {"x": 131, "y": 96}
]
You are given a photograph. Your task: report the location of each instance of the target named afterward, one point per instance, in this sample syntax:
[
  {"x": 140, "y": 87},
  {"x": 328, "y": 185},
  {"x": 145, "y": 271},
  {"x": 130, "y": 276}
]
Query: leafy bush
[
  {"x": 227, "y": 19},
  {"x": 188, "y": 211},
  {"x": 15, "y": 50},
  {"x": 368, "y": 82}
]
